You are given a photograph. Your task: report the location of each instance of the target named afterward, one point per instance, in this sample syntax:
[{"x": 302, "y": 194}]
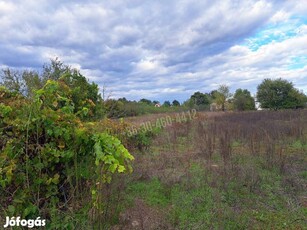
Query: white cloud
[
  {"x": 146, "y": 65},
  {"x": 158, "y": 49},
  {"x": 280, "y": 16}
]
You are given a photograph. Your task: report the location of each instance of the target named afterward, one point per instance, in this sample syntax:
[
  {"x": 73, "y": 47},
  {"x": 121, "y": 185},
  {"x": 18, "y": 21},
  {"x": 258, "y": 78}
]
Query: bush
[
  {"x": 49, "y": 160},
  {"x": 142, "y": 139}
]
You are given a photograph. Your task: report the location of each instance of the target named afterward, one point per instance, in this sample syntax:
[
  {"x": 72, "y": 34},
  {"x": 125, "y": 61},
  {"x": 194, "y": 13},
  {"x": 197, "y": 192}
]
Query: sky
[{"x": 160, "y": 50}]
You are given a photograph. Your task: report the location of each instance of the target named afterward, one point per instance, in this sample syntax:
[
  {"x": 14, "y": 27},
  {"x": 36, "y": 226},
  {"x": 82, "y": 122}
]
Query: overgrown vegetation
[
  {"x": 232, "y": 171},
  {"x": 280, "y": 94},
  {"x": 52, "y": 164},
  {"x": 271, "y": 94},
  {"x": 63, "y": 160}
]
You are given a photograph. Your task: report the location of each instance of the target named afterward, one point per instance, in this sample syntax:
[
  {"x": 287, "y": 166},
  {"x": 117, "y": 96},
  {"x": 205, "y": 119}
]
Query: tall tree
[
  {"x": 167, "y": 104},
  {"x": 145, "y": 101},
  {"x": 26, "y": 81},
  {"x": 54, "y": 70},
  {"x": 221, "y": 95},
  {"x": 199, "y": 98},
  {"x": 279, "y": 94},
  {"x": 32, "y": 82},
  {"x": 176, "y": 103},
  {"x": 243, "y": 100},
  {"x": 123, "y": 99},
  {"x": 212, "y": 94},
  {"x": 12, "y": 80},
  {"x": 188, "y": 103},
  {"x": 84, "y": 94}
]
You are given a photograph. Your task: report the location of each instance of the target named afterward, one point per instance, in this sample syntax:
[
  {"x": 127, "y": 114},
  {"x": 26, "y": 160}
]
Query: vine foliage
[{"x": 50, "y": 162}]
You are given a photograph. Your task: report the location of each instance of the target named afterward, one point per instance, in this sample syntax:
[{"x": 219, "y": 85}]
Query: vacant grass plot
[{"x": 236, "y": 171}]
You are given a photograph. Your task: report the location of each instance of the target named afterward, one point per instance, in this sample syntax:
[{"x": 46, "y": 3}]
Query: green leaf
[
  {"x": 11, "y": 209},
  {"x": 113, "y": 168},
  {"x": 121, "y": 169},
  {"x": 18, "y": 201}
]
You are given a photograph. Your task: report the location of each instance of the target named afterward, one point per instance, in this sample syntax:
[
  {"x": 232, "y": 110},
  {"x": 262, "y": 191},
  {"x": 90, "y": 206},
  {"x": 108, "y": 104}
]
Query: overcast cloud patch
[{"x": 160, "y": 50}]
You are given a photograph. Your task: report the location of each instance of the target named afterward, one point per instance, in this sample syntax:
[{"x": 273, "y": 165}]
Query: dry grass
[{"x": 255, "y": 162}]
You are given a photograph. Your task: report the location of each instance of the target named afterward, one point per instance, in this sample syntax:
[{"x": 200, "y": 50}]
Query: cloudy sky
[{"x": 160, "y": 50}]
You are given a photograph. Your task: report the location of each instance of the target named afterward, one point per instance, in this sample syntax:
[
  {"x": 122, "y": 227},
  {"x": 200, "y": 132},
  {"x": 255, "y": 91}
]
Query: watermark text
[{"x": 30, "y": 223}]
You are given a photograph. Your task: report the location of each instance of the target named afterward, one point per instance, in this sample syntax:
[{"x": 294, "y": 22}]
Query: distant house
[
  {"x": 258, "y": 106},
  {"x": 158, "y": 105}
]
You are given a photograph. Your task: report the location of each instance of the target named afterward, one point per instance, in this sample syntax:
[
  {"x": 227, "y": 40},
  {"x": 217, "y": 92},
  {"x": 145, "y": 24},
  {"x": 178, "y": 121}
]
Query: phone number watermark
[{"x": 163, "y": 122}]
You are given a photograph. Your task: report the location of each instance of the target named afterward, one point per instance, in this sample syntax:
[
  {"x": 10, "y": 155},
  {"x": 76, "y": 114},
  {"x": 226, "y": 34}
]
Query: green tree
[
  {"x": 123, "y": 100},
  {"x": 12, "y": 80},
  {"x": 27, "y": 81},
  {"x": 296, "y": 99},
  {"x": 54, "y": 70},
  {"x": 199, "y": 98},
  {"x": 114, "y": 108},
  {"x": 212, "y": 94},
  {"x": 176, "y": 103},
  {"x": 32, "y": 82},
  {"x": 279, "y": 94},
  {"x": 167, "y": 104},
  {"x": 221, "y": 96},
  {"x": 85, "y": 95},
  {"x": 24, "y": 82},
  {"x": 243, "y": 100},
  {"x": 145, "y": 101},
  {"x": 188, "y": 103}
]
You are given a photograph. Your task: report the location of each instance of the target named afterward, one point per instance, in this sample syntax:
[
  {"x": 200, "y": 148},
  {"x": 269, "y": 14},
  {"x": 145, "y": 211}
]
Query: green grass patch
[{"x": 152, "y": 192}]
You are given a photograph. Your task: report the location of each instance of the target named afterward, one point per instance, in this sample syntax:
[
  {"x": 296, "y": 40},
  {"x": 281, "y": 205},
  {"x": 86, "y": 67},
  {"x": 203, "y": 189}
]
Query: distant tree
[
  {"x": 21, "y": 81},
  {"x": 84, "y": 95},
  {"x": 54, "y": 70},
  {"x": 167, "y": 104},
  {"x": 114, "y": 108},
  {"x": 296, "y": 99},
  {"x": 188, "y": 103},
  {"x": 199, "y": 98},
  {"x": 32, "y": 82},
  {"x": 12, "y": 80},
  {"x": 145, "y": 101},
  {"x": 212, "y": 94},
  {"x": 123, "y": 99},
  {"x": 242, "y": 100},
  {"x": 26, "y": 81},
  {"x": 279, "y": 94},
  {"x": 221, "y": 95},
  {"x": 176, "y": 103},
  {"x": 156, "y": 102}
]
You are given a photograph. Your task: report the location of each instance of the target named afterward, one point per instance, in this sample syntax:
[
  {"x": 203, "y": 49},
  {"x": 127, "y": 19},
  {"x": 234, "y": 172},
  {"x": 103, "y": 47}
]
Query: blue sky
[{"x": 160, "y": 50}]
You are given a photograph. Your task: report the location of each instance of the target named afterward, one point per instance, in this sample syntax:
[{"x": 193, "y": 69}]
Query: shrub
[{"x": 49, "y": 159}]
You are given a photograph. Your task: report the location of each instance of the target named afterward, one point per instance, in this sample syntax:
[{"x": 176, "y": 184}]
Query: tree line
[{"x": 271, "y": 94}]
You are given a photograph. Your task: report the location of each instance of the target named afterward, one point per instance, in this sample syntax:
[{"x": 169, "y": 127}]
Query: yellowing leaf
[
  {"x": 55, "y": 179},
  {"x": 121, "y": 169},
  {"x": 55, "y": 103},
  {"x": 61, "y": 144}
]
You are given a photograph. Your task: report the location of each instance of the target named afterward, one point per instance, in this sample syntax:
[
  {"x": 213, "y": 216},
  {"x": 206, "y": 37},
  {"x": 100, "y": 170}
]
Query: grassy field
[{"x": 217, "y": 171}]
